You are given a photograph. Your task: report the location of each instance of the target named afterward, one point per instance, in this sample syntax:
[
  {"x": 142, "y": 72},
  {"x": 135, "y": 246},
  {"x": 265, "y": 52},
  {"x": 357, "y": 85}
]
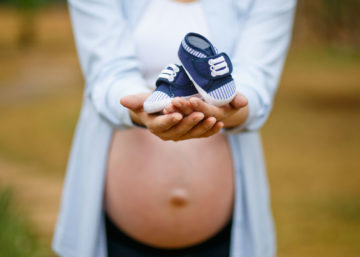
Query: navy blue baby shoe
[
  {"x": 172, "y": 82},
  {"x": 209, "y": 70}
]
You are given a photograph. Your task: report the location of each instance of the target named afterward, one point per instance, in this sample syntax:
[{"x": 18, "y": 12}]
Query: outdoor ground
[{"x": 311, "y": 141}]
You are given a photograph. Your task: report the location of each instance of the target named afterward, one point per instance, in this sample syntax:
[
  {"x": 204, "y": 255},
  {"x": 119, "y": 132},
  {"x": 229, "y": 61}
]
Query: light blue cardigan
[{"x": 256, "y": 35}]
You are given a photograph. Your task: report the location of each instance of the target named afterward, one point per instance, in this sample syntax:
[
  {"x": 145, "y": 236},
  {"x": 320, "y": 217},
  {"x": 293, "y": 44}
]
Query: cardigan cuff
[
  {"x": 254, "y": 107},
  {"x": 107, "y": 100}
]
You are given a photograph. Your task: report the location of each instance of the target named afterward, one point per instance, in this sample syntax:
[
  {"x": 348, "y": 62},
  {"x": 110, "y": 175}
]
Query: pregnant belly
[{"x": 167, "y": 194}]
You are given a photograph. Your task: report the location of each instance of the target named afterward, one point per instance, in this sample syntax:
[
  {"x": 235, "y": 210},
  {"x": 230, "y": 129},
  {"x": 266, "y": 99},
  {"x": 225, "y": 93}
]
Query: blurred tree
[
  {"x": 27, "y": 10},
  {"x": 336, "y": 21}
]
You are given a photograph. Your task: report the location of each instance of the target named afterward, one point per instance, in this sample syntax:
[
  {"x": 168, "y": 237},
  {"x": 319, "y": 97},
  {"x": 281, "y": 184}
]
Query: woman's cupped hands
[{"x": 184, "y": 118}]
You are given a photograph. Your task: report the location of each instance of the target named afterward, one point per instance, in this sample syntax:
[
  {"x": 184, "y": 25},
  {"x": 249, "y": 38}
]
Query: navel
[{"x": 179, "y": 197}]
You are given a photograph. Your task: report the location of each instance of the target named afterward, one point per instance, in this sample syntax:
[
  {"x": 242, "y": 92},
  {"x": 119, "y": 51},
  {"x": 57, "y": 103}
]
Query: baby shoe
[
  {"x": 209, "y": 70},
  {"x": 172, "y": 82}
]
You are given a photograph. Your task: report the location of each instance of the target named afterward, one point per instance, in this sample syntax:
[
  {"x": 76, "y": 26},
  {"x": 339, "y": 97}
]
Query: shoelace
[
  {"x": 218, "y": 66},
  {"x": 169, "y": 72}
]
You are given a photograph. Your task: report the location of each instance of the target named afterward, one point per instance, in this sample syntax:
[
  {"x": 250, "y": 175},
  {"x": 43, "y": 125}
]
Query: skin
[
  {"x": 187, "y": 119},
  {"x": 178, "y": 197},
  {"x": 159, "y": 192}
]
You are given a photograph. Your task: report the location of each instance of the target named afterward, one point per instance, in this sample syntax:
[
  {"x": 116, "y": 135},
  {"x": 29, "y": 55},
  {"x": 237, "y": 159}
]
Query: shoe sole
[
  {"x": 208, "y": 97},
  {"x": 160, "y": 105},
  {"x": 156, "y": 106}
]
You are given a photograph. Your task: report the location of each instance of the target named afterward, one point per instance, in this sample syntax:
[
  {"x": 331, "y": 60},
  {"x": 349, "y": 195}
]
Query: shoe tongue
[
  {"x": 210, "y": 51},
  {"x": 163, "y": 87},
  {"x": 181, "y": 76}
]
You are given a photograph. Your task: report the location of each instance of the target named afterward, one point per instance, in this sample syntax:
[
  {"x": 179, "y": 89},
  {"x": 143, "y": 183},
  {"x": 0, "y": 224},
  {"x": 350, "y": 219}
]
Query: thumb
[
  {"x": 239, "y": 101},
  {"x": 134, "y": 102}
]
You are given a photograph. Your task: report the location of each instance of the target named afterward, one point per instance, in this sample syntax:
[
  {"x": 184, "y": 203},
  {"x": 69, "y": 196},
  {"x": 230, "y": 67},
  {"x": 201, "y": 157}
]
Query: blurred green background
[{"x": 311, "y": 140}]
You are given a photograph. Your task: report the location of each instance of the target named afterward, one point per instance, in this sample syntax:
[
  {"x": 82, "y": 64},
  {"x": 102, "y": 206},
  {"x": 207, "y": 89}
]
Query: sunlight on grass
[
  {"x": 15, "y": 236},
  {"x": 40, "y": 132},
  {"x": 312, "y": 144}
]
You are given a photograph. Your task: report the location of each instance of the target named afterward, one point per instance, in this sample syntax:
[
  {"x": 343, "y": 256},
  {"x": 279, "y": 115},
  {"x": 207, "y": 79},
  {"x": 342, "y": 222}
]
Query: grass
[
  {"x": 312, "y": 146},
  {"x": 16, "y": 238},
  {"x": 30, "y": 133},
  {"x": 311, "y": 140}
]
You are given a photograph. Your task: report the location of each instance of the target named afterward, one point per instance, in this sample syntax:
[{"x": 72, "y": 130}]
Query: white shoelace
[
  {"x": 218, "y": 66},
  {"x": 169, "y": 72}
]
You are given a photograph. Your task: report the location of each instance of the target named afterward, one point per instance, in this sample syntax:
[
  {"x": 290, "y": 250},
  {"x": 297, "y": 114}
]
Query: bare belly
[{"x": 168, "y": 194}]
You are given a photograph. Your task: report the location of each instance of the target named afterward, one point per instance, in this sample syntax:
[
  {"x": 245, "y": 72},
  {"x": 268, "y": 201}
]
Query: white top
[{"x": 156, "y": 48}]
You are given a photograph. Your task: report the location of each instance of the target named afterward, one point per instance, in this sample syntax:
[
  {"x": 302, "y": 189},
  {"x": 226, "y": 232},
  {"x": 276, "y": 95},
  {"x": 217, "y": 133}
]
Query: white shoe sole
[
  {"x": 160, "y": 105},
  {"x": 208, "y": 98}
]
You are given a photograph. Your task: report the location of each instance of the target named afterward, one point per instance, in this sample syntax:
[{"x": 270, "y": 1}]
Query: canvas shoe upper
[
  {"x": 172, "y": 82},
  {"x": 209, "y": 70}
]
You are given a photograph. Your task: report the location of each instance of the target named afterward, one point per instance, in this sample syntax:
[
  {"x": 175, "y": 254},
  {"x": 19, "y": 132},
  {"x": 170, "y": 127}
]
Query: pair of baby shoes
[{"x": 204, "y": 72}]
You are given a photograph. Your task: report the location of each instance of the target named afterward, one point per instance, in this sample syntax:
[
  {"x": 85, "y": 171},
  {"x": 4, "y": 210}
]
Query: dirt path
[{"x": 35, "y": 194}]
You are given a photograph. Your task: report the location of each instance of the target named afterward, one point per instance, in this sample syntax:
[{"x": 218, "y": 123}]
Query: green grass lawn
[
  {"x": 39, "y": 132},
  {"x": 16, "y": 238},
  {"x": 311, "y": 140},
  {"x": 312, "y": 147}
]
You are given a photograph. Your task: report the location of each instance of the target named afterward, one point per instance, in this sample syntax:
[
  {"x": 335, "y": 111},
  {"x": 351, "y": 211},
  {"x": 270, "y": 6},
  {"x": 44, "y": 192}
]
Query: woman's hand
[
  {"x": 232, "y": 114},
  {"x": 172, "y": 126}
]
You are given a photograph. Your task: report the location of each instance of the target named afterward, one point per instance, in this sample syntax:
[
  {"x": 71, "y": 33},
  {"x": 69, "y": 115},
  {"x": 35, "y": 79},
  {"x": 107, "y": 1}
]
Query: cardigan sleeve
[
  {"x": 259, "y": 56},
  {"x": 107, "y": 57}
]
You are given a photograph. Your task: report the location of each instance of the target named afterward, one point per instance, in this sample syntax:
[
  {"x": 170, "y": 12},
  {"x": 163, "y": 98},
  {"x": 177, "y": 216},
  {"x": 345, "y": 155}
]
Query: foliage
[
  {"x": 15, "y": 238},
  {"x": 334, "y": 20},
  {"x": 26, "y": 4},
  {"x": 27, "y": 10}
]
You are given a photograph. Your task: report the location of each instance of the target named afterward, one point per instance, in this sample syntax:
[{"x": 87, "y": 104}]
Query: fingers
[
  {"x": 196, "y": 104},
  {"x": 182, "y": 105},
  {"x": 188, "y": 123},
  {"x": 134, "y": 102},
  {"x": 160, "y": 123},
  {"x": 214, "y": 130},
  {"x": 201, "y": 129},
  {"x": 179, "y": 104},
  {"x": 169, "y": 127},
  {"x": 207, "y": 128},
  {"x": 239, "y": 101},
  {"x": 209, "y": 110},
  {"x": 183, "y": 127},
  {"x": 169, "y": 109}
]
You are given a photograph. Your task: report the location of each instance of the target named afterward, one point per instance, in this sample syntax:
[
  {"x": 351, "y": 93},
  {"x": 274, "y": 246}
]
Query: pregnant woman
[{"x": 190, "y": 182}]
